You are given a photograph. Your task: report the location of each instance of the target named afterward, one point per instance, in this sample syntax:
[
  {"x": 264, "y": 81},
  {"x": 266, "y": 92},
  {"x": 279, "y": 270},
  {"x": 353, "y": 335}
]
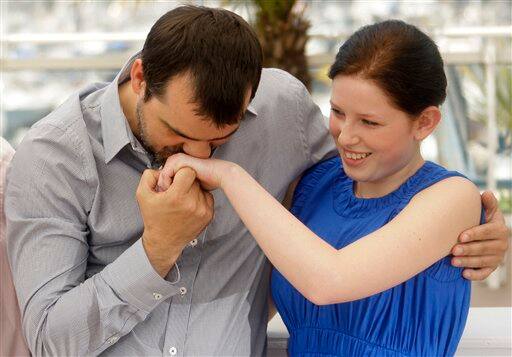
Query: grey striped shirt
[{"x": 83, "y": 279}]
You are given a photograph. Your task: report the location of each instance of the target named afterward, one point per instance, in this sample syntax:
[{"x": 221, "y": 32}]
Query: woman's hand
[{"x": 210, "y": 172}]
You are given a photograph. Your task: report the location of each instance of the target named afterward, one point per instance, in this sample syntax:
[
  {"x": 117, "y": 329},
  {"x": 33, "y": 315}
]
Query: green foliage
[
  {"x": 282, "y": 29},
  {"x": 273, "y": 11},
  {"x": 505, "y": 200},
  {"x": 503, "y": 96}
]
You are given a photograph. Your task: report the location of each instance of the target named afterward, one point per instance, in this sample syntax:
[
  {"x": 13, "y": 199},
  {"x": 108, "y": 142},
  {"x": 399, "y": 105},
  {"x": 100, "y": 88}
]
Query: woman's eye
[
  {"x": 369, "y": 122},
  {"x": 337, "y": 112}
]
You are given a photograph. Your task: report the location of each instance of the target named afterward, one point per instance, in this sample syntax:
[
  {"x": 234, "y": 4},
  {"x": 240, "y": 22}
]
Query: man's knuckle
[
  {"x": 497, "y": 260},
  {"x": 191, "y": 207}
]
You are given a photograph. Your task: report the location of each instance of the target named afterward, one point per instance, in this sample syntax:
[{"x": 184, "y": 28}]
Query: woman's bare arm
[{"x": 420, "y": 235}]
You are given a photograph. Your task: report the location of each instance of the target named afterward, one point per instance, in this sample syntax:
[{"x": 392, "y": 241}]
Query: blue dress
[{"x": 424, "y": 316}]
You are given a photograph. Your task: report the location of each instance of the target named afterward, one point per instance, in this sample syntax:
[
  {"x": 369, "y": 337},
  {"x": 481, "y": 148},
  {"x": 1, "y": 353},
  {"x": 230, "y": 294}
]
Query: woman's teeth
[{"x": 354, "y": 156}]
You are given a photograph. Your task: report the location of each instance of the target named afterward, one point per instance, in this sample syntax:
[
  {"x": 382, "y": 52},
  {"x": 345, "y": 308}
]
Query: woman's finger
[
  {"x": 164, "y": 182},
  {"x": 172, "y": 165}
]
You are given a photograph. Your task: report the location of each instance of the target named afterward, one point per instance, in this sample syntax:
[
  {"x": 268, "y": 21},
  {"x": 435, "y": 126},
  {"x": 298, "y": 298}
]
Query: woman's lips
[{"x": 353, "y": 158}]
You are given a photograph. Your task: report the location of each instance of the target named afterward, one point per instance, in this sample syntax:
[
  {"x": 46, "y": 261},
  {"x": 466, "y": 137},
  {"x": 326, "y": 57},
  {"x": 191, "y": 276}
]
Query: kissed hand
[{"x": 209, "y": 171}]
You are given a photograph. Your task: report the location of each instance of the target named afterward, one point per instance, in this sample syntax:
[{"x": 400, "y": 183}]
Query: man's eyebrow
[{"x": 195, "y": 139}]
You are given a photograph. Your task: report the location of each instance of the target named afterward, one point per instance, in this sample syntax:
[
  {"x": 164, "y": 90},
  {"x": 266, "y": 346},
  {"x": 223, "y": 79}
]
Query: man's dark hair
[
  {"x": 216, "y": 47},
  {"x": 400, "y": 59}
]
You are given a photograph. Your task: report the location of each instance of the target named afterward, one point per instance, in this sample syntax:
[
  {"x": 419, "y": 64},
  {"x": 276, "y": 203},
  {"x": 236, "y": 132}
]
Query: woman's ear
[
  {"x": 427, "y": 121},
  {"x": 137, "y": 77}
]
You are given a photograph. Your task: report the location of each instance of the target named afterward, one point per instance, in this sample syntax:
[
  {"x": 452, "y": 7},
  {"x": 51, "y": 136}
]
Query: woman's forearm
[
  {"x": 392, "y": 254},
  {"x": 299, "y": 254}
]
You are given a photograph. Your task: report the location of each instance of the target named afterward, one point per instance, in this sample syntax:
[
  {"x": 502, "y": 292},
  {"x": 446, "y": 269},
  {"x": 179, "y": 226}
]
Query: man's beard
[{"x": 157, "y": 158}]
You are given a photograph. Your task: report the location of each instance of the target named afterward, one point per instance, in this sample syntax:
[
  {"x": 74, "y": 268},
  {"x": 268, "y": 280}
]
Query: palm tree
[{"x": 282, "y": 28}]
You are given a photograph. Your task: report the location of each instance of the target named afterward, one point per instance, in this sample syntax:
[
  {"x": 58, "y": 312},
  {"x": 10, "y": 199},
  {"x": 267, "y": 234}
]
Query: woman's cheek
[
  {"x": 397, "y": 153},
  {"x": 333, "y": 127}
]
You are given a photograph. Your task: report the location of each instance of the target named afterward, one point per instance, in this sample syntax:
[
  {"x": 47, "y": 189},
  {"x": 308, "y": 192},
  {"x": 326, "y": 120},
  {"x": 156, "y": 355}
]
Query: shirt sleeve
[
  {"x": 317, "y": 142},
  {"x": 48, "y": 197}
]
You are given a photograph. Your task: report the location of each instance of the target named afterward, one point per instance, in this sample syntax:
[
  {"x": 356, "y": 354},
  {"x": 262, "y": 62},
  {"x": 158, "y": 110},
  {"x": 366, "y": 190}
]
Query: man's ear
[
  {"x": 137, "y": 77},
  {"x": 426, "y": 122}
]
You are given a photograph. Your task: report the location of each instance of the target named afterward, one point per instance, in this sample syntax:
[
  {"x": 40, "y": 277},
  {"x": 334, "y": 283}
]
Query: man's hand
[
  {"x": 171, "y": 218},
  {"x": 482, "y": 248}
]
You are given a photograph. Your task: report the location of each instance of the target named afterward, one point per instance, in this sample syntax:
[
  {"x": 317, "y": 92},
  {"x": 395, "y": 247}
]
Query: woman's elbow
[{"x": 326, "y": 296}]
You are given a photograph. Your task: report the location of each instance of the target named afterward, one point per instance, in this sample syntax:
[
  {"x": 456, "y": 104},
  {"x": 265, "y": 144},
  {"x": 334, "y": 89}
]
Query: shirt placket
[{"x": 179, "y": 309}]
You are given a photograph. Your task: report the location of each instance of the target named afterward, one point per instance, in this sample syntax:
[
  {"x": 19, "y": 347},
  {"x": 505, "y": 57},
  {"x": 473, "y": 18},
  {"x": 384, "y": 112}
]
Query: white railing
[
  {"x": 488, "y": 332},
  {"x": 114, "y": 61}
]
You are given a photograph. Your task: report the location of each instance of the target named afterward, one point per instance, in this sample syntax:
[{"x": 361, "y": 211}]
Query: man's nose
[{"x": 199, "y": 149}]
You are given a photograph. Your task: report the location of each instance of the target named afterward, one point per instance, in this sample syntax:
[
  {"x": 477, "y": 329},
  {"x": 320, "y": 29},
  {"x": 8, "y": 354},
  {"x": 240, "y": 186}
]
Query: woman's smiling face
[{"x": 376, "y": 140}]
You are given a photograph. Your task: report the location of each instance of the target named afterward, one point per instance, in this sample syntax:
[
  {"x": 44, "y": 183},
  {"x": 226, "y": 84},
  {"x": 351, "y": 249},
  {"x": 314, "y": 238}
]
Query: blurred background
[{"x": 49, "y": 49}]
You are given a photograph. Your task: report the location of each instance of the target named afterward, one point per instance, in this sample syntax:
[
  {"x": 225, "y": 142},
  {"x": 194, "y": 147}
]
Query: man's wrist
[{"x": 161, "y": 259}]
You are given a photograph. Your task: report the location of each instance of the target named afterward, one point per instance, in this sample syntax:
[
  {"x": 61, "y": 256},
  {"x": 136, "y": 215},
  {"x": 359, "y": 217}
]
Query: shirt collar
[
  {"x": 115, "y": 128},
  {"x": 114, "y": 125},
  {"x": 251, "y": 109}
]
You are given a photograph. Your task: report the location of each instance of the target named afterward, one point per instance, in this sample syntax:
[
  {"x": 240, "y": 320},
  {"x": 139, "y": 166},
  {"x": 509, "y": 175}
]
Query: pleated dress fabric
[{"x": 424, "y": 316}]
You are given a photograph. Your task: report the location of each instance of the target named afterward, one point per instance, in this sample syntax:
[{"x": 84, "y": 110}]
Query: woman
[{"x": 345, "y": 283}]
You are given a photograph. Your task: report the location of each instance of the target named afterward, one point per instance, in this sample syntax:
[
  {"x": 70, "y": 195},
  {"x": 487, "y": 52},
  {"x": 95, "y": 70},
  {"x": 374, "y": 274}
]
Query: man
[{"x": 94, "y": 273}]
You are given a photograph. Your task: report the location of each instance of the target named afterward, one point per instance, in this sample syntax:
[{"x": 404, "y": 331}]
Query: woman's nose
[{"x": 348, "y": 135}]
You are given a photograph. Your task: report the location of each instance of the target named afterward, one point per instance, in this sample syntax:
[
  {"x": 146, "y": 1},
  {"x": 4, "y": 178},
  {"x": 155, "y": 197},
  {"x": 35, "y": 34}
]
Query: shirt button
[
  {"x": 112, "y": 340},
  {"x": 157, "y": 296},
  {"x": 173, "y": 351},
  {"x": 183, "y": 290},
  {"x": 193, "y": 243}
]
